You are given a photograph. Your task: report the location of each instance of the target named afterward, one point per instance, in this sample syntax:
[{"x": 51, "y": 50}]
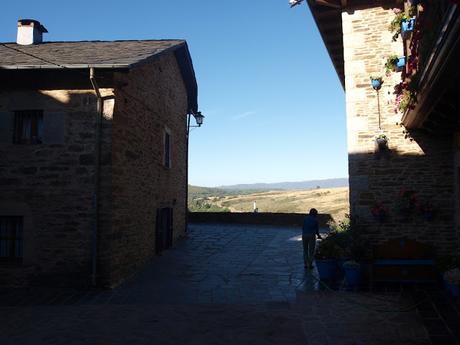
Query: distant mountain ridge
[{"x": 328, "y": 183}]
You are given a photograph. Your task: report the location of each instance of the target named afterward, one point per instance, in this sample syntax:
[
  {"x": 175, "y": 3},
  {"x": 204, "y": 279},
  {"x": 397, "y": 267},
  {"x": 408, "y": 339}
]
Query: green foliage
[
  {"x": 390, "y": 64},
  {"x": 382, "y": 136},
  {"x": 328, "y": 249},
  {"x": 196, "y": 192},
  {"x": 408, "y": 98},
  {"x": 347, "y": 237},
  {"x": 203, "y": 205},
  {"x": 395, "y": 26},
  {"x": 377, "y": 77}
]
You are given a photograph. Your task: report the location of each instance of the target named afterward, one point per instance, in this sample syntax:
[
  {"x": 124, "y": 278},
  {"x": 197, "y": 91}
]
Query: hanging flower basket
[
  {"x": 400, "y": 64},
  {"x": 394, "y": 64},
  {"x": 407, "y": 26},
  {"x": 376, "y": 82},
  {"x": 382, "y": 141}
]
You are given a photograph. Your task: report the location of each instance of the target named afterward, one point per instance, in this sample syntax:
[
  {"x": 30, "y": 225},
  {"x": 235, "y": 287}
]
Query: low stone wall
[{"x": 260, "y": 218}]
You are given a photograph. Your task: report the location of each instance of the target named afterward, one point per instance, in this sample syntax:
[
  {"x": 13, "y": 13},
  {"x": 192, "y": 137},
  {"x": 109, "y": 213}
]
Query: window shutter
[
  {"x": 6, "y": 127},
  {"x": 53, "y": 128}
]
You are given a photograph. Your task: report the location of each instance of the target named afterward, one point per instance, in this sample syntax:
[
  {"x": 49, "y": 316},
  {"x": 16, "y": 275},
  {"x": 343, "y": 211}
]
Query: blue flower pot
[
  {"x": 401, "y": 63},
  {"x": 376, "y": 84},
  {"x": 407, "y": 26},
  {"x": 340, "y": 271},
  {"x": 353, "y": 275},
  {"x": 454, "y": 290},
  {"x": 326, "y": 268}
]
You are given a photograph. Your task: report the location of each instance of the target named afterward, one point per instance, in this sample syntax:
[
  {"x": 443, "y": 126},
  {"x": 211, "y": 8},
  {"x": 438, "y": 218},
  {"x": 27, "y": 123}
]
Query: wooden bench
[{"x": 404, "y": 261}]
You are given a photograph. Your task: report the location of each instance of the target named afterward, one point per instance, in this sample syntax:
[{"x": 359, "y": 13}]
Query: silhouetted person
[{"x": 310, "y": 231}]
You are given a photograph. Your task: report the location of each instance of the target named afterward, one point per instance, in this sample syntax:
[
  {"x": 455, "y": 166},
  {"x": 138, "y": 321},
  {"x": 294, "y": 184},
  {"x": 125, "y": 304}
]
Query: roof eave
[
  {"x": 321, "y": 19},
  {"x": 73, "y": 66}
]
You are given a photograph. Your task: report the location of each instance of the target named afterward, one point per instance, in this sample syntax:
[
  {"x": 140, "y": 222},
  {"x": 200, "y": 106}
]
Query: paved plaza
[{"x": 227, "y": 284}]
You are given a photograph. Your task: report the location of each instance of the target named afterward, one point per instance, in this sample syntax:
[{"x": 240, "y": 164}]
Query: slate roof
[
  {"x": 83, "y": 54},
  {"x": 98, "y": 54}
]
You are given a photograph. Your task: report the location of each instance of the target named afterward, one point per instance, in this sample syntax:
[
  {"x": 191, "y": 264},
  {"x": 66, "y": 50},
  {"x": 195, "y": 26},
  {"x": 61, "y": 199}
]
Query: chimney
[{"x": 30, "y": 32}]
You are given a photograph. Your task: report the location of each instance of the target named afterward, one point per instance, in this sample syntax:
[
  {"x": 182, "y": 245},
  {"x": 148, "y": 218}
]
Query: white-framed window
[{"x": 167, "y": 144}]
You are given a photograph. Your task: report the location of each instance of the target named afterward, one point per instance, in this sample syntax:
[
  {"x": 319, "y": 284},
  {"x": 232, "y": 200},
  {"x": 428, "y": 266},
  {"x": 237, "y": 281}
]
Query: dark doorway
[{"x": 164, "y": 229}]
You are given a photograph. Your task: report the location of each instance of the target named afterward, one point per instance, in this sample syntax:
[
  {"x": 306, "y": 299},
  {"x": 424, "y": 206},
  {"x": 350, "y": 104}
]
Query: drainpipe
[
  {"x": 95, "y": 229},
  {"x": 187, "y": 135}
]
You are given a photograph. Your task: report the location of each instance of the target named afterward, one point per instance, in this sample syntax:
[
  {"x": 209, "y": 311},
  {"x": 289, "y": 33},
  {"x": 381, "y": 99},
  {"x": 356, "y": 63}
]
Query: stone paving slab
[
  {"x": 225, "y": 284},
  {"x": 162, "y": 324}
]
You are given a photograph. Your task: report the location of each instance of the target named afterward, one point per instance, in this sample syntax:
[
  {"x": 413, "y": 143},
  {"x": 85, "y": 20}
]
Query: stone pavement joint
[{"x": 224, "y": 284}]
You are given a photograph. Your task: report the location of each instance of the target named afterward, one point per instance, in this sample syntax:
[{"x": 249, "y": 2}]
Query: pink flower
[{"x": 397, "y": 10}]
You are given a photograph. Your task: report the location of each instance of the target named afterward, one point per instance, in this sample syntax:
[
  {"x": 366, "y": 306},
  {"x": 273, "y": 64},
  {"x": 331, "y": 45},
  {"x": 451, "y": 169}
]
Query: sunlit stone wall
[{"x": 419, "y": 163}]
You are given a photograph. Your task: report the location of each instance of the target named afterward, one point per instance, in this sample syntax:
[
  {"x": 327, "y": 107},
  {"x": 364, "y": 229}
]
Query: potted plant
[
  {"x": 394, "y": 63},
  {"x": 326, "y": 257},
  {"x": 376, "y": 82},
  {"x": 452, "y": 279},
  {"x": 407, "y": 26},
  {"x": 341, "y": 234},
  {"x": 402, "y": 22},
  {"x": 382, "y": 141},
  {"x": 352, "y": 270}
]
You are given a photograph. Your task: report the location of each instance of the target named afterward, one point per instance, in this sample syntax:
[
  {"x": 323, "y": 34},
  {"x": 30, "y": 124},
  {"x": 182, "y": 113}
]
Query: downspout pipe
[
  {"x": 187, "y": 135},
  {"x": 97, "y": 154}
]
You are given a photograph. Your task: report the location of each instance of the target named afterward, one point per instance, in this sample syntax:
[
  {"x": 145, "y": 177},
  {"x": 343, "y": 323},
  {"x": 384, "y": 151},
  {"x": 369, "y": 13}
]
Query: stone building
[
  {"x": 410, "y": 187},
  {"x": 93, "y": 154}
]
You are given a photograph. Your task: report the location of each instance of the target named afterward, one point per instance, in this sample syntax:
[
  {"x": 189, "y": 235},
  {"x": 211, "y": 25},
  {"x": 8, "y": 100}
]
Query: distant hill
[{"x": 329, "y": 183}]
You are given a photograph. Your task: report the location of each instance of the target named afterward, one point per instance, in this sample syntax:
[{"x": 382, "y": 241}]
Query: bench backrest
[{"x": 403, "y": 248}]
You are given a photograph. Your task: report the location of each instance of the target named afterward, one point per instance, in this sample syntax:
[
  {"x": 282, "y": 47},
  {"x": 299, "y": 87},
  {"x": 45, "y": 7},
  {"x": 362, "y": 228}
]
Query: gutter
[{"x": 74, "y": 66}]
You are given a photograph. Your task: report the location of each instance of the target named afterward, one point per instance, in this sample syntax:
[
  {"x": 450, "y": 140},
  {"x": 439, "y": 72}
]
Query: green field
[{"x": 333, "y": 201}]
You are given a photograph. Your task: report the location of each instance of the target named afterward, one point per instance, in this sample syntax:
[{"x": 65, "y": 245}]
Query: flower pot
[
  {"x": 400, "y": 64},
  {"x": 407, "y": 26},
  {"x": 381, "y": 142},
  {"x": 453, "y": 289},
  {"x": 376, "y": 84},
  {"x": 326, "y": 268},
  {"x": 352, "y": 275},
  {"x": 340, "y": 271}
]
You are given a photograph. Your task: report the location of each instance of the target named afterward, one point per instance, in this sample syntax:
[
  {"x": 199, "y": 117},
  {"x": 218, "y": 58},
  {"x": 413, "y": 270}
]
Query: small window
[
  {"x": 11, "y": 239},
  {"x": 28, "y": 127},
  {"x": 167, "y": 149}
]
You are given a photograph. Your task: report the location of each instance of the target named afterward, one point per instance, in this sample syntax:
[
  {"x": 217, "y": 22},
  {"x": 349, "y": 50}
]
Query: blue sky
[{"x": 274, "y": 107}]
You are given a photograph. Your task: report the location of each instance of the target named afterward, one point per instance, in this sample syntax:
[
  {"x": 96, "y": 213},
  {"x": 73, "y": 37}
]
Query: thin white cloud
[{"x": 243, "y": 115}]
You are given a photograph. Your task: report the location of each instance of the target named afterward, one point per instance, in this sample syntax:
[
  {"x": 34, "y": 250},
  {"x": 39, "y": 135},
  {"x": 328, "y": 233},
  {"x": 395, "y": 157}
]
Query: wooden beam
[{"x": 328, "y": 3}]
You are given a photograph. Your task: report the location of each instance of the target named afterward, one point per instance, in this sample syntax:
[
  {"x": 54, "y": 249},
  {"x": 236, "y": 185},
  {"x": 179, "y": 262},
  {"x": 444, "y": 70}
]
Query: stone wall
[
  {"x": 257, "y": 218},
  {"x": 152, "y": 99},
  {"x": 420, "y": 163},
  {"x": 51, "y": 185}
]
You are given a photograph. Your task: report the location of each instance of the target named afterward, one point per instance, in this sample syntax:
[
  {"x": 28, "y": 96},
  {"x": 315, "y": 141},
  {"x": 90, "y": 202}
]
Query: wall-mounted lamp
[{"x": 199, "y": 118}]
